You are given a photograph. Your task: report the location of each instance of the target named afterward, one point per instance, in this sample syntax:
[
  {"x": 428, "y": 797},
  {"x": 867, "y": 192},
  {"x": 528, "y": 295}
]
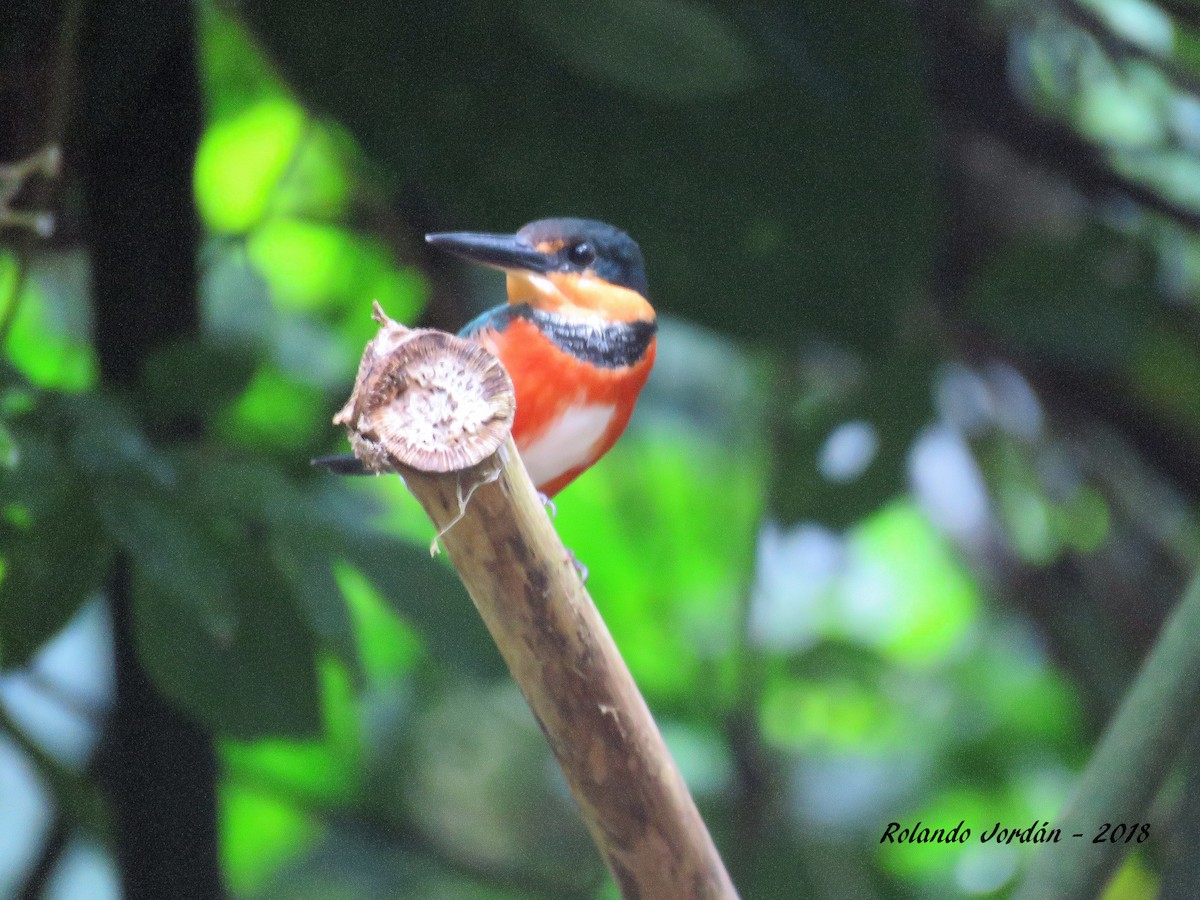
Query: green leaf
[
  {"x": 240, "y": 161},
  {"x": 389, "y": 647},
  {"x": 312, "y": 265},
  {"x": 430, "y": 597},
  {"x": 173, "y": 547},
  {"x": 50, "y": 340},
  {"x": 1164, "y": 375},
  {"x": 305, "y": 561},
  {"x": 254, "y": 679},
  {"x": 215, "y": 622},
  {"x": 235, "y": 75},
  {"x": 56, "y": 553},
  {"x": 667, "y": 50},
  {"x": 326, "y": 772},
  {"x": 295, "y": 529},
  {"x": 276, "y": 411},
  {"x": 261, "y": 831},
  {"x": 1124, "y": 112},
  {"x": 240, "y": 486},
  {"x": 195, "y": 378},
  {"x": 312, "y": 526}
]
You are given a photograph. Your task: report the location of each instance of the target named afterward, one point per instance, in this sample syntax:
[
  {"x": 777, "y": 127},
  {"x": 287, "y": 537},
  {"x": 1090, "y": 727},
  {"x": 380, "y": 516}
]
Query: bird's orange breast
[{"x": 553, "y": 387}]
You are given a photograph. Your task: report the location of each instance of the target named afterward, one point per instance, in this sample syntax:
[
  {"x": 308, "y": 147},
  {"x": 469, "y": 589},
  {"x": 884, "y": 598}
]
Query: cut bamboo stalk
[{"x": 438, "y": 411}]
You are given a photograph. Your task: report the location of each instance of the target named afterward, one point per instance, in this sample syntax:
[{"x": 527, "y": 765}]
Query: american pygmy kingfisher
[{"x": 577, "y": 336}]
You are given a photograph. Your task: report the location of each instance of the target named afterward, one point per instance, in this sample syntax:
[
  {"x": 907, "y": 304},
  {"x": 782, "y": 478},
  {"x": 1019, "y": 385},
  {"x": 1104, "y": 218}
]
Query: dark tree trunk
[{"x": 140, "y": 119}]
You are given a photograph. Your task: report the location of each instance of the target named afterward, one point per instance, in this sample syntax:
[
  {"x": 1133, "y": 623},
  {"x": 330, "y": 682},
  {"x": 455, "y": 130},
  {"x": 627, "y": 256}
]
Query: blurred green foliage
[{"x": 909, "y": 489}]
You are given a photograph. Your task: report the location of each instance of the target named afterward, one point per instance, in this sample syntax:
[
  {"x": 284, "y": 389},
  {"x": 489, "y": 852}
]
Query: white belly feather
[{"x": 567, "y": 443}]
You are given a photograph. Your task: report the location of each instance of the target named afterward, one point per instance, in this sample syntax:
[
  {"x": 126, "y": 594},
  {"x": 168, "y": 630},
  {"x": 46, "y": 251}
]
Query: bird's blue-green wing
[{"x": 496, "y": 319}]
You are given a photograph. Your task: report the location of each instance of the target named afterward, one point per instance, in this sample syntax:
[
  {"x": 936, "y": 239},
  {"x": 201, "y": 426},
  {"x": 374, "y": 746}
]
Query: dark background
[{"x": 910, "y": 491}]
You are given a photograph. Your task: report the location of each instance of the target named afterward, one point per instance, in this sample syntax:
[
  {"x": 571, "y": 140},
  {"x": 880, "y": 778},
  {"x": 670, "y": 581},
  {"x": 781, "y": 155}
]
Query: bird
[{"x": 578, "y": 337}]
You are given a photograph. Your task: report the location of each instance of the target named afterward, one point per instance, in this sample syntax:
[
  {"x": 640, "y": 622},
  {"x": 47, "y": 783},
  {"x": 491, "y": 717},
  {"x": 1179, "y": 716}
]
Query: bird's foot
[
  {"x": 579, "y": 567},
  {"x": 545, "y": 500}
]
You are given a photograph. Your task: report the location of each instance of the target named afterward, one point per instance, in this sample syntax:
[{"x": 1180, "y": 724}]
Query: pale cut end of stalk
[{"x": 426, "y": 400}]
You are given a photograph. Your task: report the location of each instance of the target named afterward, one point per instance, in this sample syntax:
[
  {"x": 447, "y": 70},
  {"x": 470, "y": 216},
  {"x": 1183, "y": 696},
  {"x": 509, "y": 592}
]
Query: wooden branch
[
  {"x": 438, "y": 410},
  {"x": 1135, "y": 756}
]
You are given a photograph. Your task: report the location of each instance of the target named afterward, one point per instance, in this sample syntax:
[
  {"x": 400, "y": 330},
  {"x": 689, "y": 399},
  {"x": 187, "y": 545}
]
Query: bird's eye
[{"x": 581, "y": 254}]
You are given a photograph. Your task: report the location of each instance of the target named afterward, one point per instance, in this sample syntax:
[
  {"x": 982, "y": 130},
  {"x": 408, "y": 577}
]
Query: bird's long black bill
[
  {"x": 500, "y": 251},
  {"x": 342, "y": 464}
]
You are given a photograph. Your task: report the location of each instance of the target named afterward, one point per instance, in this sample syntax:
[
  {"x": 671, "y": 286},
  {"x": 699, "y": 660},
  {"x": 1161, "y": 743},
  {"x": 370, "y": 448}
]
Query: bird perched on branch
[{"x": 577, "y": 336}]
